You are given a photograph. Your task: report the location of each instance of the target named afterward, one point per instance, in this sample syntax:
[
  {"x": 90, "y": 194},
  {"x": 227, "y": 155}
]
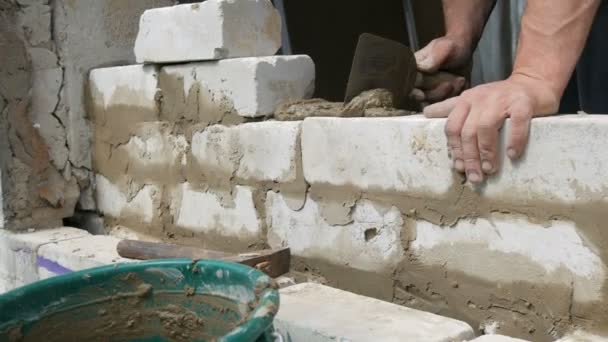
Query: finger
[
  {"x": 490, "y": 123},
  {"x": 459, "y": 85},
  {"x": 419, "y": 80},
  {"x": 417, "y": 95},
  {"x": 521, "y": 115},
  {"x": 440, "y": 109},
  {"x": 430, "y": 81},
  {"x": 470, "y": 149},
  {"x": 453, "y": 129},
  {"x": 440, "y": 93},
  {"x": 433, "y": 56},
  {"x": 423, "y": 56}
]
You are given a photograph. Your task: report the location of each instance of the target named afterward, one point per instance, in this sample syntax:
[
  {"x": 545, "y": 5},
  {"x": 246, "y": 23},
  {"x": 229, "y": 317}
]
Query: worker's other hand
[
  {"x": 476, "y": 117},
  {"x": 445, "y": 53}
]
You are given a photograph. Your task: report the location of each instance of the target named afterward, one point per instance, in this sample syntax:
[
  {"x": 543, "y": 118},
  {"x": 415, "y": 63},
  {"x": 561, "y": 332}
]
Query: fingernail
[
  {"x": 459, "y": 165},
  {"x": 473, "y": 177},
  {"x": 425, "y": 63},
  {"x": 460, "y": 82},
  {"x": 511, "y": 153},
  {"x": 420, "y": 57},
  {"x": 486, "y": 166},
  {"x": 417, "y": 95}
]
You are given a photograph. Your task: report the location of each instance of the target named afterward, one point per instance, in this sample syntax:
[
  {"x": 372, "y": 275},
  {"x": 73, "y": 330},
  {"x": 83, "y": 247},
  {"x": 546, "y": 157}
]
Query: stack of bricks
[{"x": 181, "y": 145}]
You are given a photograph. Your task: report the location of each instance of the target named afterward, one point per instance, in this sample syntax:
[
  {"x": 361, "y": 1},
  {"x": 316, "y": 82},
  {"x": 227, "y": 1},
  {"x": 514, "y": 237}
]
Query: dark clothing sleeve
[{"x": 587, "y": 89}]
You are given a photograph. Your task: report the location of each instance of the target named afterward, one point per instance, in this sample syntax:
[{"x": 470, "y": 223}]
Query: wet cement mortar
[
  {"x": 143, "y": 313},
  {"x": 539, "y": 312},
  {"x": 371, "y": 103},
  {"x": 184, "y": 115}
]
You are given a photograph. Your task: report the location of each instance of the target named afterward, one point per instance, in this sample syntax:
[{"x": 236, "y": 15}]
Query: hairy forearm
[
  {"x": 553, "y": 35},
  {"x": 465, "y": 19}
]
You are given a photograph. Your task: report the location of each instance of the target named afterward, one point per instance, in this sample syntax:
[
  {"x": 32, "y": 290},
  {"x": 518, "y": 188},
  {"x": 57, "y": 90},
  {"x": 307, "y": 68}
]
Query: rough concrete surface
[
  {"x": 50, "y": 47},
  {"x": 18, "y": 254},
  {"x": 312, "y": 312},
  {"x": 77, "y": 254}
]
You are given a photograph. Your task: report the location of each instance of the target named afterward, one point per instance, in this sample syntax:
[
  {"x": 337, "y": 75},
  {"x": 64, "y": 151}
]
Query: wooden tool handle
[
  {"x": 142, "y": 250},
  {"x": 274, "y": 262}
]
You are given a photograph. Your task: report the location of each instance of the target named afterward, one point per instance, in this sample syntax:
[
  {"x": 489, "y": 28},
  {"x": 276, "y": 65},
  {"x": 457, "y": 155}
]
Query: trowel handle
[
  {"x": 143, "y": 250},
  {"x": 274, "y": 262}
]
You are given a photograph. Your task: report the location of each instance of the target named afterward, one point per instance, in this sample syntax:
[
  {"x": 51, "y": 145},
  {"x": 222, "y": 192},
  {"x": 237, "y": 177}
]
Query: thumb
[{"x": 433, "y": 56}]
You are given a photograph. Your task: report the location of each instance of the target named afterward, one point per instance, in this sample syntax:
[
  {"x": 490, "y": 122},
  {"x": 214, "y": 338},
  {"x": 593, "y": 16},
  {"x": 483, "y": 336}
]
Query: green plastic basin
[{"x": 163, "y": 300}]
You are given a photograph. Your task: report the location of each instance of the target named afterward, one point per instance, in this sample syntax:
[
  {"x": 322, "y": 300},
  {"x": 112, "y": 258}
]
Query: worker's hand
[
  {"x": 445, "y": 53},
  {"x": 476, "y": 116}
]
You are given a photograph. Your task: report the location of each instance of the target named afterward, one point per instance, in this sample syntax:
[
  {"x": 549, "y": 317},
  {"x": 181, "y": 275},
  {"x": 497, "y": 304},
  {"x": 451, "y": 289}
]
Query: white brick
[
  {"x": 390, "y": 154},
  {"x": 126, "y": 233},
  {"x": 409, "y": 155},
  {"x": 251, "y": 87},
  {"x": 77, "y": 254},
  {"x": 563, "y": 162},
  {"x": 229, "y": 215},
  {"x": 214, "y": 29},
  {"x": 38, "y": 238},
  {"x": 265, "y": 151},
  {"x": 155, "y": 146},
  {"x": 497, "y": 338},
  {"x": 583, "y": 336},
  {"x": 543, "y": 253},
  {"x": 112, "y": 201},
  {"x": 132, "y": 85},
  {"x": 284, "y": 281},
  {"x": 18, "y": 254},
  {"x": 308, "y": 234},
  {"x": 153, "y": 153},
  {"x": 312, "y": 312}
]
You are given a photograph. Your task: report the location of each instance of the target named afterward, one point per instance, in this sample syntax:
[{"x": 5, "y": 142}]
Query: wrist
[
  {"x": 542, "y": 92},
  {"x": 462, "y": 39}
]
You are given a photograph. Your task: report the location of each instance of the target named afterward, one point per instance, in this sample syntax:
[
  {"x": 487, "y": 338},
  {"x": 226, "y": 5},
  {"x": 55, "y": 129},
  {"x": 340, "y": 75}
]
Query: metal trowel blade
[{"x": 382, "y": 63}]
